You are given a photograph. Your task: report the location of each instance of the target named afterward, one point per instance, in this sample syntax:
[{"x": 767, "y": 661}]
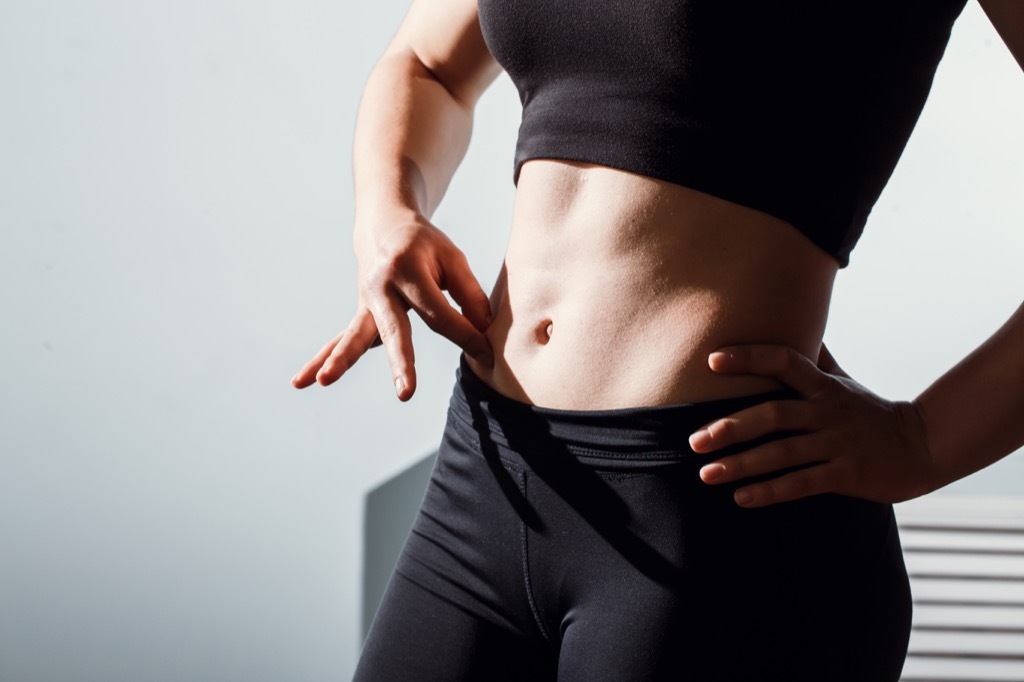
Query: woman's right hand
[{"x": 405, "y": 262}]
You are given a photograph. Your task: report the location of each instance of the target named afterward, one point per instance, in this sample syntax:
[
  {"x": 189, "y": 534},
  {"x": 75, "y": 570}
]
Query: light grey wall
[
  {"x": 174, "y": 212},
  {"x": 175, "y": 204}
]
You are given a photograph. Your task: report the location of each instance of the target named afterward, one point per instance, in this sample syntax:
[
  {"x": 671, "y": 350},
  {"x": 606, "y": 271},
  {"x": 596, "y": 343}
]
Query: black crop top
[{"x": 797, "y": 108}]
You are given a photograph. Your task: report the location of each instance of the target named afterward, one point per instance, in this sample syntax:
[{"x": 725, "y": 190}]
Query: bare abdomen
[{"x": 616, "y": 287}]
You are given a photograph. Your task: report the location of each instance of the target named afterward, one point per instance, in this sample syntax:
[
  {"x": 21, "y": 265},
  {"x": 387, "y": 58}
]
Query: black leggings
[{"x": 570, "y": 545}]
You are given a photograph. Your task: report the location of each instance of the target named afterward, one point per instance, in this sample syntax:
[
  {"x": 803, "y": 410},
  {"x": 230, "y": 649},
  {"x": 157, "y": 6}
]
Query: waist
[
  {"x": 621, "y": 438},
  {"x": 616, "y": 287}
]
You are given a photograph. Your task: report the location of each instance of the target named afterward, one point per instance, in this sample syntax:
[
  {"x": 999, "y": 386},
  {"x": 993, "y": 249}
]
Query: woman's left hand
[{"x": 841, "y": 437}]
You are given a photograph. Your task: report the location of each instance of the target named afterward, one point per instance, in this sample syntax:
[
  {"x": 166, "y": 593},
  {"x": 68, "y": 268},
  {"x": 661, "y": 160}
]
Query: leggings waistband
[{"x": 633, "y": 433}]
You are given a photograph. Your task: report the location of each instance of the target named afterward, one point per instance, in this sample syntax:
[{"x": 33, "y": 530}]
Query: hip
[{"x": 536, "y": 518}]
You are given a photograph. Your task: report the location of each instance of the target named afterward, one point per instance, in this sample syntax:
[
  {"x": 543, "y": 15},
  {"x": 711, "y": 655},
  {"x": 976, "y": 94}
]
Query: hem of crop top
[{"x": 709, "y": 183}]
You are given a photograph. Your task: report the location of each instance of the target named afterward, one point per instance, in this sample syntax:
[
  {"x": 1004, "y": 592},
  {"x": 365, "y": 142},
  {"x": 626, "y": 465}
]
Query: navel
[{"x": 543, "y": 331}]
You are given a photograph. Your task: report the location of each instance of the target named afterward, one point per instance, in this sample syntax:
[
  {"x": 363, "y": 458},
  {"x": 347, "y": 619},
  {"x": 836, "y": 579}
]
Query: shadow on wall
[{"x": 388, "y": 514}]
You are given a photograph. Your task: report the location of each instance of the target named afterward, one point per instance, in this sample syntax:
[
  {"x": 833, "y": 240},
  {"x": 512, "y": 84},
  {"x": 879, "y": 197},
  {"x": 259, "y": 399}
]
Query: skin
[{"x": 619, "y": 290}]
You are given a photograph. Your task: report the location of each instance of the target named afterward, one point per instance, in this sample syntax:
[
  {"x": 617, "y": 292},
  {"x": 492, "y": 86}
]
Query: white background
[{"x": 175, "y": 204}]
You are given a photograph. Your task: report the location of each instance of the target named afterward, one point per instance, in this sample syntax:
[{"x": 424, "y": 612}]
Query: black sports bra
[{"x": 798, "y": 108}]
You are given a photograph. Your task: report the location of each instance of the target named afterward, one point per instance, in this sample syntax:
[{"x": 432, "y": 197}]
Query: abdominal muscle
[{"x": 616, "y": 287}]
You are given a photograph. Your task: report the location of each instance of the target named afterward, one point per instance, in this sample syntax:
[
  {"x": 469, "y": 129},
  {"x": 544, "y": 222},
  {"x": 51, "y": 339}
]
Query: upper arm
[
  {"x": 1007, "y": 16},
  {"x": 445, "y": 37}
]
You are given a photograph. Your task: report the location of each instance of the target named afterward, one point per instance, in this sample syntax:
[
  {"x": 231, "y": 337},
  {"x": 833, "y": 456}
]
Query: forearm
[
  {"x": 411, "y": 135},
  {"x": 974, "y": 414}
]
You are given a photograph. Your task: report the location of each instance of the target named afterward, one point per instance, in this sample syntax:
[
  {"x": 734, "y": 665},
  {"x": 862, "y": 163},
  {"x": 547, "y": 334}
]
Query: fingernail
[
  {"x": 399, "y": 385},
  {"x": 743, "y": 497},
  {"x": 712, "y": 472},
  {"x": 699, "y": 438}
]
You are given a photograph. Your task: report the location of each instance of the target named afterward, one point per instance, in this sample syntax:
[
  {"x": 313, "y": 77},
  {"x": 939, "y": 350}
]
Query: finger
[
  {"x": 462, "y": 284},
  {"x": 773, "y": 457},
  {"x": 777, "y": 362},
  {"x": 395, "y": 332},
  {"x": 354, "y": 341},
  {"x": 792, "y": 486},
  {"x": 429, "y": 303},
  {"x": 754, "y": 422},
  {"x": 307, "y": 375}
]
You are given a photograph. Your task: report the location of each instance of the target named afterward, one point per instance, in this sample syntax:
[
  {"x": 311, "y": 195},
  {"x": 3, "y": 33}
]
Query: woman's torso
[{"x": 637, "y": 281}]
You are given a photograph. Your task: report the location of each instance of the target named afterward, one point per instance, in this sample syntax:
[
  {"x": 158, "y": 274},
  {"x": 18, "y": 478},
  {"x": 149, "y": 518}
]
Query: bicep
[
  {"x": 1007, "y": 16},
  {"x": 445, "y": 36}
]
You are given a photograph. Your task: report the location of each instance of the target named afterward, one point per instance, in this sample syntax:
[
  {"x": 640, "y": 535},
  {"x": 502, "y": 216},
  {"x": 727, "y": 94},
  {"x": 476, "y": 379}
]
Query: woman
[{"x": 652, "y": 468}]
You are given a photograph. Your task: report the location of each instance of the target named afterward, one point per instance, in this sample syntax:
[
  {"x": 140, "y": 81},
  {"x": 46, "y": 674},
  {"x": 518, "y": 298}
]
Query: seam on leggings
[{"x": 526, "y": 571}]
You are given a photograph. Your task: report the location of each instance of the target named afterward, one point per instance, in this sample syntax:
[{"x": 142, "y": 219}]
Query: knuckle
[
  {"x": 430, "y": 316},
  {"x": 791, "y": 487},
  {"x": 391, "y": 270},
  {"x": 457, "y": 257},
  {"x": 391, "y": 267},
  {"x": 775, "y": 413},
  {"x": 799, "y": 414},
  {"x": 338, "y": 364},
  {"x": 812, "y": 481},
  {"x": 375, "y": 283},
  {"x": 435, "y": 319},
  {"x": 845, "y": 473},
  {"x": 803, "y": 483},
  {"x": 388, "y": 330},
  {"x": 783, "y": 451},
  {"x": 777, "y": 358},
  {"x": 767, "y": 492},
  {"x": 462, "y": 283},
  {"x": 723, "y": 429}
]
